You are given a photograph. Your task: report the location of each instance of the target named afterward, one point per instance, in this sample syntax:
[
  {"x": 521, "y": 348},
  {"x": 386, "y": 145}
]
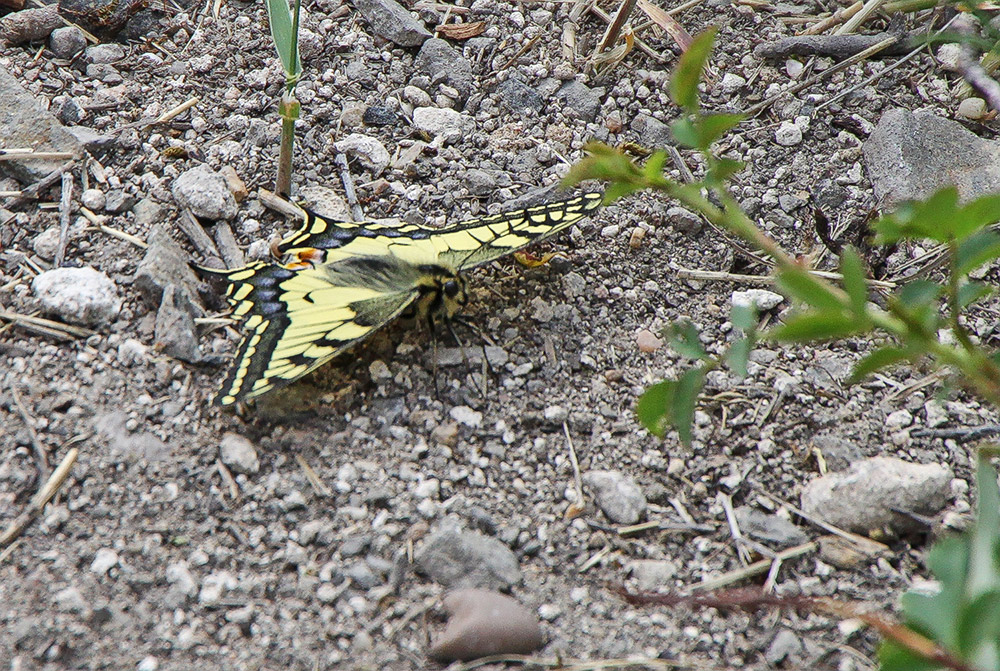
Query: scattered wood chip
[
  {"x": 668, "y": 23},
  {"x": 461, "y": 31}
]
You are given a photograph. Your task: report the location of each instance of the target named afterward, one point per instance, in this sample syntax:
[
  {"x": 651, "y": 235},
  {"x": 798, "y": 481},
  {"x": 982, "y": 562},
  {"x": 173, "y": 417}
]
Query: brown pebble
[
  {"x": 842, "y": 553},
  {"x": 30, "y": 25},
  {"x": 647, "y": 341},
  {"x": 236, "y": 185},
  {"x": 485, "y": 623},
  {"x": 635, "y": 239},
  {"x": 613, "y": 122},
  {"x": 445, "y": 434}
]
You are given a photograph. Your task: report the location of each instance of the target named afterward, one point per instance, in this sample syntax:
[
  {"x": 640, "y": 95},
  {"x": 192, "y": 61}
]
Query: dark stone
[
  {"x": 517, "y": 96},
  {"x": 379, "y": 115},
  {"x": 392, "y": 21}
]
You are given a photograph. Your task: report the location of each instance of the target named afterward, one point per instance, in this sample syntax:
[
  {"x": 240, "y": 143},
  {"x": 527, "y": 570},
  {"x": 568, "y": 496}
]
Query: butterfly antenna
[{"x": 465, "y": 359}]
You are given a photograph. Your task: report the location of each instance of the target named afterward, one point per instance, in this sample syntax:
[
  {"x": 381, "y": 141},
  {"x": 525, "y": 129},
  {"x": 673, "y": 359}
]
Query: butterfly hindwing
[{"x": 297, "y": 320}]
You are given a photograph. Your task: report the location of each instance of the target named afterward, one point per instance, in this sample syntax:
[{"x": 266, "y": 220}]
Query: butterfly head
[{"x": 442, "y": 292}]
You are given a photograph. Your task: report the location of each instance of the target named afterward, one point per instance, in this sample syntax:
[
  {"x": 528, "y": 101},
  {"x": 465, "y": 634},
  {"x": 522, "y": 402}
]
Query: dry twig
[
  {"x": 65, "y": 200},
  {"x": 40, "y": 500}
]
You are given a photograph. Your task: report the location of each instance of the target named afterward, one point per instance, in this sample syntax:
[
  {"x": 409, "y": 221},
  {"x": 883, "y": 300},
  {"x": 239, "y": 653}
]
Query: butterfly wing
[
  {"x": 461, "y": 246},
  {"x": 297, "y": 320}
]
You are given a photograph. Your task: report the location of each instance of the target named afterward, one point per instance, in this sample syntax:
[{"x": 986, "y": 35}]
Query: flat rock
[
  {"x": 79, "y": 295},
  {"x": 484, "y": 623},
  {"x": 517, "y": 96},
  {"x": 24, "y": 123},
  {"x": 653, "y": 574},
  {"x": 326, "y": 202},
  {"x": 448, "y": 123},
  {"x": 163, "y": 264},
  {"x": 580, "y": 99},
  {"x": 392, "y": 21},
  {"x": 30, "y": 25},
  {"x": 652, "y": 132},
  {"x": 769, "y": 528},
  {"x": 864, "y": 498},
  {"x": 175, "y": 330},
  {"x": 455, "y": 557},
  {"x": 910, "y": 155},
  {"x": 617, "y": 495},
  {"x": 369, "y": 151},
  {"x": 239, "y": 454},
  {"x": 205, "y": 193},
  {"x": 445, "y": 65}
]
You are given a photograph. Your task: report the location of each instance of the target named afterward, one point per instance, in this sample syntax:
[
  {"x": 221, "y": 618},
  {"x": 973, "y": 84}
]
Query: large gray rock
[
  {"x": 458, "y": 558},
  {"x": 26, "y": 123},
  {"x": 580, "y": 99},
  {"x": 205, "y": 192},
  {"x": 617, "y": 495},
  {"x": 392, "y": 21},
  {"x": 910, "y": 155},
  {"x": 445, "y": 65},
  {"x": 485, "y": 623},
  {"x": 175, "y": 331},
  {"x": 865, "y": 498},
  {"x": 80, "y": 295},
  {"x": 165, "y": 263}
]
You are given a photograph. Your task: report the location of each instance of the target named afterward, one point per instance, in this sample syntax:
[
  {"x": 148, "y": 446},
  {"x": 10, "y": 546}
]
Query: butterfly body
[{"x": 334, "y": 283}]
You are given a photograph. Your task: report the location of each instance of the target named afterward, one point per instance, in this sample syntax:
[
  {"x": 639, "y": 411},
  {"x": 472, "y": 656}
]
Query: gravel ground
[{"x": 313, "y": 530}]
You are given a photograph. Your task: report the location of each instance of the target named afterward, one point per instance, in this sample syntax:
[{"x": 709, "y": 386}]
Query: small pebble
[
  {"x": 238, "y": 454},
  {"x": 92, "y": 199},
  {"x": 104, "y": 560},
  {"x": 647, "y": 341},
  {"x": 485, "y": 623},
  {"x": 788, "y": 134}
]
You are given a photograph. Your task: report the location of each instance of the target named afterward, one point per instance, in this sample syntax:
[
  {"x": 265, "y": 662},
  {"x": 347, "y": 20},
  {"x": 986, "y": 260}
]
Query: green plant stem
[
  {"x": 982, "y": 374},
  {"x": 288, "y": 108}
]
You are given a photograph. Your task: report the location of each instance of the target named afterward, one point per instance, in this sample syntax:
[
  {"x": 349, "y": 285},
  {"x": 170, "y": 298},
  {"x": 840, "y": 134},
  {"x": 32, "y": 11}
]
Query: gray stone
[
  {"x": 455, "y": 557},
  {"x": 582, "y": 100},
  {"x": 651, "y": 132},
  {"x": 366, "y": 149},
  {"x": 760, "y": 299},
  {"x": 165, "y": 264},
  {"x": 148, "y": 212},
  {"x": 326, "y": 201},
  {"x": 362, "y": 575},
  {"x": 46, "y": 243},
  {"x": 448, "y": 123},
  {"x": 463, "y": 414},
  {"x": 769, "y": 528},
  {"x": 913, "y": 154},
  {"x": 785, "y": 646},
  {"x": 445, "y": 65},
  {"x": 181, "y": 580},
  {"x": 204, "y": 191},
  {"x": 175, "y": 330},
  {"x": 653, "y": 574},
  {"x": 479, "y": 182},
  {"x": 104, "y": 53},
  {"x": 93, "y": 141},
  {"x": 80, "y": 295},
  {"x": 864, "y": 498},
  {"x": 67, "y": 41},
  {"x": 393, "y": 22},
  {"x": 26, "y": 123},
  {"x": 67, "y": 110},
  {"x": 484, "y": 623},
  {"x": 516, "y": 96},
  {"x": 93, "y": 199},
  {"x": 104, "y": 560},
  {"x": 238, "y": 454},
  {"x": 117, "y": 201},
  {"x": 29, "y": 25},
  {"x": 617, "y": 495}
]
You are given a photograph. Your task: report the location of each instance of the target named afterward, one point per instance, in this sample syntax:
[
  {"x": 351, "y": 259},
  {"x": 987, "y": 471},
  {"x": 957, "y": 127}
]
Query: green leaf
[
  {"x": 976, "y": 216},
  {"x": 671, "y": 403},
  {"x": 654, "y": 165},
  {"x": 970, "y": 292},
  {"x": 802, "y": 286},
  {"x": 816, "y": 325},
  {"x": 919, "y": 293},
  {"x": 280, "y": 19},
  {"x": 855, "y": 281},
  {"x": 984, "y": 569},
  {"x": 687, "y": 74},
  {"x": 933, "y": 218},
  {"x": 937, "y": 614},
  {"x": 979, "y": 624},
  {"x": 685, "y": 132},
  {"x": 683, "y": 337},
  {"x": 744, "y": 317},
  {"x": 738, "y": 356},
  {"x": 881, "y": 358},
  {"x": 713, "y": 126},
  {"x": 609, "y": 164},
  {"x": 977, "y": 250},
  {"x": 893, "y": 657},
  {"x": 721, "y": 169}
]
